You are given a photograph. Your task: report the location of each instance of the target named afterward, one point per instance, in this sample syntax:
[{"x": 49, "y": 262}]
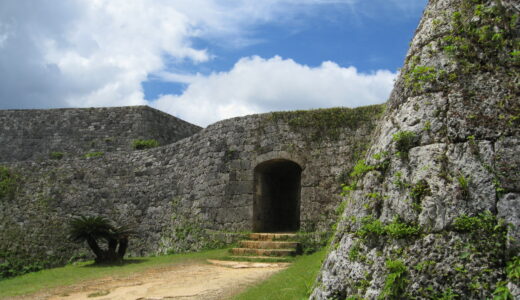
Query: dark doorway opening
[{"x": 276, "y": 205}]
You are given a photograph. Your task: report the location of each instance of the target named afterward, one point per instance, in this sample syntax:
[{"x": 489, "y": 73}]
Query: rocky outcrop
[{"x": 432, "y": 212}]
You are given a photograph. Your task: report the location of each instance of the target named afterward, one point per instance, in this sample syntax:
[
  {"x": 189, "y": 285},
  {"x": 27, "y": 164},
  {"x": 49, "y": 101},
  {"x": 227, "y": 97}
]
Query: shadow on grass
[{"x": 125, "y": 262}]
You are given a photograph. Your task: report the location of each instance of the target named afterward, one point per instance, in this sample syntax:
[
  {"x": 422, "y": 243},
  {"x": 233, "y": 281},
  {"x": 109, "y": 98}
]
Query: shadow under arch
[{"x": 276, "y": 200}]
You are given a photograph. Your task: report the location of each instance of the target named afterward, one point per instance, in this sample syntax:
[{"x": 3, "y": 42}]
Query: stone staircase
[{"x": 267, "y": 246}]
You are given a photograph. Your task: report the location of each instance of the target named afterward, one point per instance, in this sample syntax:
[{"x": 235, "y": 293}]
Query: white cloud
[
  {"x": 98, "y": 52},
  {"x": 88, "y": 52},
  {"x": 260, "y": 85}
]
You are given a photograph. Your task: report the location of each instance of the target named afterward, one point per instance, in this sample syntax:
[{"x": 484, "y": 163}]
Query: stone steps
[
  {"x": 272, "y": 236},
  {"x": 263, "y": 252},
  {"x": 261, "y": 258},
  {"x": 267, "y": 245}
]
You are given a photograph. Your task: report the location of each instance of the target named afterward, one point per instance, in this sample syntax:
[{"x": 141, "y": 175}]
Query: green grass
[
  {"x": 293, "y": 283},
  {"x": 71, "y": 274}
]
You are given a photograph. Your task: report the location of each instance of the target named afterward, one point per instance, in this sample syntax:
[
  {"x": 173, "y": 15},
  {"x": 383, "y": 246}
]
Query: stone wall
[
  {"x": 187, "y": 195},
  {"x": 35, "y": 134},
  {"x": 434, "y": 210}
]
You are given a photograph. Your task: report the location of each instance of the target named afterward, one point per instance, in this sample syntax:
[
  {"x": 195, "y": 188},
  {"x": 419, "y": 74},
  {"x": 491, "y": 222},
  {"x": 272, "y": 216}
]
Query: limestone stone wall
[
  {"x": 188, "y": 195},
  {"x": 434, "y": 210},
  {"x": 35, "y": 134}
]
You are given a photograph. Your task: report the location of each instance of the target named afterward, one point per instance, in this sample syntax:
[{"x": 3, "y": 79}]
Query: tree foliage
[{"x": 94, "y": 229}]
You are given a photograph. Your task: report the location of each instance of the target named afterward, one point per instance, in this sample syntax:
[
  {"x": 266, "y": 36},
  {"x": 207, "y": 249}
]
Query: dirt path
[{"x": 218, "y": 280}]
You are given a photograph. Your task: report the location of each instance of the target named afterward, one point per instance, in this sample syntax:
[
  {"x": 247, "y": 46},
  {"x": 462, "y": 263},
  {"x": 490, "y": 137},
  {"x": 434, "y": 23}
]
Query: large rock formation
[{"x": 433, "y": 212}]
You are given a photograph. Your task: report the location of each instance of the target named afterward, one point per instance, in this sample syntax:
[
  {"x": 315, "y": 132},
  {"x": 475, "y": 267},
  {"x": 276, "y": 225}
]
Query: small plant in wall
[
  {"x": 417, "y": 192},
  {"x": 396, "y": 281},
  {"x": 404, "y": 141},
  {"x": 502, "y": 292},
  {"x": 144, "y": 144},
  {"x": 8, "y": 182},
  {"x": 463, "y": 187},
  {"x": 56, "y": 155},
  {"x": 93, "y": 154}
]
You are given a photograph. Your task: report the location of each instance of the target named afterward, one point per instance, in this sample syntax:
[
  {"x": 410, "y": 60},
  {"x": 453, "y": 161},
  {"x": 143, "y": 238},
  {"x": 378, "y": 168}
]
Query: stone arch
[{"x": 276, "y": 203}]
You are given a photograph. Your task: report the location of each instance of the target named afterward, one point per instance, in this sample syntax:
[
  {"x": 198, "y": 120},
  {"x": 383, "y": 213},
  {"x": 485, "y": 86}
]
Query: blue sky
[{"x": 203, "y": 60}]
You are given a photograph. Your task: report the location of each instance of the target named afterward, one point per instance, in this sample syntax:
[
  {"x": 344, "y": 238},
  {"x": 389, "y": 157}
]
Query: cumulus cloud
[
  {"x": 87, "y": 52},
  {"x": 98, "y": 52},
  {"x": 256, "y": 85}
]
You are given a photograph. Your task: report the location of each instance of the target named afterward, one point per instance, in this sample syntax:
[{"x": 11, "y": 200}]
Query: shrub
[
  {"x": 144, "y": 144},
  {"x": 463, "y": 185},
  {"x": 420, "y": 190},
  {"x": 417, "y": 192},
  {"x": 16, "y": 264},
  {"x": 370, "y": 227},
  {"x": 311, "y": 242},
  {"x": 353, "y": 253},
  {"x": 398, "y": 229},
  {"x": 418, "y": 76},
  {"x": 93, "y": 154},
  {"x": 484, "y": 222},
  {"x": 8, "y": 182},
  {"x": 502, "y": 292},
  {"x": 347, "y": 188},
  {"x": 404, "y": 141},
  {"x": 360, "y": 169},
  {"x": 56, "y": 155},
  {"x": 513, "y": 269},
  {"x": 396, "y": 280}
]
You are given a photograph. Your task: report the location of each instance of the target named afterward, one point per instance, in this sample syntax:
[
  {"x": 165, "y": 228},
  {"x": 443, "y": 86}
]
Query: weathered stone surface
[
  {"x": 35, "y": 134},
  {"x": 186, "y": 195},
  {"x": 507, "y": 162},
  {"x": 446, "y": 162},
  {"x": 509, "y": 210}
]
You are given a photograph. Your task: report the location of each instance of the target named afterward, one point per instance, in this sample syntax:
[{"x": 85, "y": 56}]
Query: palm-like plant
[
  {"x": 122, "y": 234},
  {"x": 92, "y": 229}
]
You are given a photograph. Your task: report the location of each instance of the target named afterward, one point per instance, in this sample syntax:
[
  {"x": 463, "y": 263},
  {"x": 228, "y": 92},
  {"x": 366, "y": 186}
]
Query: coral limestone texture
[{"x": 433, "y": 212}]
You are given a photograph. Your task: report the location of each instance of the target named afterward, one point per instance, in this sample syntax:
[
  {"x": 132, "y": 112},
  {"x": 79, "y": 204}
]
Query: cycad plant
[{"x": 92, "y": 229}]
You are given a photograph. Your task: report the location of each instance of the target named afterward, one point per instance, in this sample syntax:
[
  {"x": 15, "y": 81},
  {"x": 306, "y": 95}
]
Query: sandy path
[{"x": 183, "y": 281}]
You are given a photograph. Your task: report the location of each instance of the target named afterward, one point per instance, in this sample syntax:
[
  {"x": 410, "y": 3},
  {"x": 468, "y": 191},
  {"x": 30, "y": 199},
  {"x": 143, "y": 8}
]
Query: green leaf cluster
[
  {"x": 360, "y": 169},
  {"x": 513, "y": 269},
  {"x": 94, "y": 154},
  {"x": 371, "y": 227},
  {"x": 16, "y": 264},
  {"x": 396, "y": 281},
  {"x": 8, "y": 182},
  {"x": 56, "y": 155},
  {"x": 144, "y": 144},
  {"x": 404, "y": 141},
  {"x": 484, "y": 222}
]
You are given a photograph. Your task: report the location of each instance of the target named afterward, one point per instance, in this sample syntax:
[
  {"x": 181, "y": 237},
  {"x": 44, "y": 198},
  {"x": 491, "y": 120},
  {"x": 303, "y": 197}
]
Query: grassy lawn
[
  {"x": 70, "y": 274},
  {"x": 294, "y": 283}
]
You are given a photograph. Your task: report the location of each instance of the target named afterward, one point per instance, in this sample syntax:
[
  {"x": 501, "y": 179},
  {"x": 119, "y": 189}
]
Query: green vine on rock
[
  {"x": 8, "y": 183},
  {"x": 481, "y": 35},
  {"x": 404, "y": 141},
  {"x": 396, "y": 281},
  {"x": 397, "y": 229},
  {"x": 144, "y": 144}
]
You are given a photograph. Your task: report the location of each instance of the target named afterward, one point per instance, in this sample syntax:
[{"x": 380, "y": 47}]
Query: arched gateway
[{"x": 276, "y": 204}]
